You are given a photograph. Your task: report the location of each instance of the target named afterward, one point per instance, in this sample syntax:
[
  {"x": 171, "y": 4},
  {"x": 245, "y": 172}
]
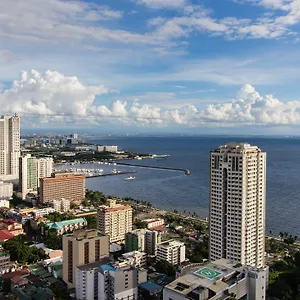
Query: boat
[{"x": 129, "y": 178}]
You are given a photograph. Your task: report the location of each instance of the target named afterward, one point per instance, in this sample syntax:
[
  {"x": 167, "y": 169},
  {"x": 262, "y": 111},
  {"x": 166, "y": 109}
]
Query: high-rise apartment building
[
  {"x": 237, "y": 203},
  {"x": 28, "y": 181},
  {"x": 9, "y": 147},
  {"x": 81, "y": 248},
  {"x": 120, "y": 281},
  {"x": 62, "y": 185},
  {"x": 142, "y": 240},
  {"x": 114, "y": 220},
  {"x": 31, "y": 169},
  {"x": 44, "y": 167}
]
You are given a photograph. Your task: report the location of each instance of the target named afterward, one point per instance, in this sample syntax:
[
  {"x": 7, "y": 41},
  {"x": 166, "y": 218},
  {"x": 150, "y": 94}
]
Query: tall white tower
[
  {"x": 9, "y": 147},
  {"x": 238, "y": 203}
]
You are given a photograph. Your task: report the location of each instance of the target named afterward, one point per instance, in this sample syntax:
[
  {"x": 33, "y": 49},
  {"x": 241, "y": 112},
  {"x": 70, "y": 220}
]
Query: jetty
[
  {"x": 109, "y": 174},
  {"x": 186, "y": 171}
]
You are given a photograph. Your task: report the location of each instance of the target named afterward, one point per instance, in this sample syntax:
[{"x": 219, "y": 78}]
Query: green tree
[
  {"x": 53, "y": 240},
  {"x": 91, "y": 222},
  {"x": 164, "y": 267}
]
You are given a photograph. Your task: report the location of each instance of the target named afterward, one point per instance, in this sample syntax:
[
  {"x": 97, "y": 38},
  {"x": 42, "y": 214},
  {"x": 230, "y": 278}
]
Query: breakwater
[
  {"x": 186, "y": 171},
  {"x": 110, "y": 174}
]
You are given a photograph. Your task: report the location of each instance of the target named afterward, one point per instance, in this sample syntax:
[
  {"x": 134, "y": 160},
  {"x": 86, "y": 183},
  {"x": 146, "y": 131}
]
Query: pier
[
  {"x": 109, "y": 174},
  {"x": 186, "y": 171}
]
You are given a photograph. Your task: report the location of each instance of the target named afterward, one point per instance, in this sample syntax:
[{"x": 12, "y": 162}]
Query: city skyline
[{"x": 151, "y": 65}]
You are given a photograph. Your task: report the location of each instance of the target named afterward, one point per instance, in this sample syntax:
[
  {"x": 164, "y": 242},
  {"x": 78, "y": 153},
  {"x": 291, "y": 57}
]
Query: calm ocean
[{"x": 173, "y": 190}]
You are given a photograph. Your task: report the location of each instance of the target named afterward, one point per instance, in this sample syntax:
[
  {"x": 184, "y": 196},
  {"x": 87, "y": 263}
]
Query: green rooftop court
[{"x": 207, "y": 273}]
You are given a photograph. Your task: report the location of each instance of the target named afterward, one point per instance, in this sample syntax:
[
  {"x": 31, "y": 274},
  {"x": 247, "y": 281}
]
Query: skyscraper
[
  {"x": 44, "y": 167},
  {"x": 28, "y": 181},
  {"x": 237, "y": 203},
  {"x": 9, "y": 147}
]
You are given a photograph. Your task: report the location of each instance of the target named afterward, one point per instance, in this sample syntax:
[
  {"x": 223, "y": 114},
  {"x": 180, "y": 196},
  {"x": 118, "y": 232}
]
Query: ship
[{"x": 129, "y": 178}]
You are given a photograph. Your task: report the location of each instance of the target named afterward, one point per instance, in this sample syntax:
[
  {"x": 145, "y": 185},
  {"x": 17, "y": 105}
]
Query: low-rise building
[
  {"x": 43, "y": 212},
  {"x": 171, "y": 251},
  {"x": 119, "y": 281},
  {"x": 4, "y": 203},
  {"x": 152, "y": 223},
  {"x": 6, "y": 190},
  {"x": 4, "y": 263},
  {"x": 12, "y": 226},
  {"x": 219, "y": 280},
  {"x": 67, "y": 225},
  {"x": 62, "y": 205},
  {"x": 5, "y": 235},
  {"x": 136, "y": 258},
  {"x": 113, "y": 149},
  {"x": 150, "y": 290}
]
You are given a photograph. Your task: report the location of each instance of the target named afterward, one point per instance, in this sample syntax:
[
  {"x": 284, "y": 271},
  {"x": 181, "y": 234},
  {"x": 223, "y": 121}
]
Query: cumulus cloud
[
  {"x": 52, "y": 97},
  {"x": 171, "y": 4}
]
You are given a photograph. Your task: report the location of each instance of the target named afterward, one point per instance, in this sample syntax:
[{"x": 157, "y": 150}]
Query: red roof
[
  {"x": 17, "y": 279},
  {"x": 5, "y": 235},
  {"x": 10, "y": 275},
  {"x": 7, "y": 221}
]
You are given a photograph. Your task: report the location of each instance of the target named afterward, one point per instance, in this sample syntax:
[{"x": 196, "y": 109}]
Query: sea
[{"x": 173, "y": 190}]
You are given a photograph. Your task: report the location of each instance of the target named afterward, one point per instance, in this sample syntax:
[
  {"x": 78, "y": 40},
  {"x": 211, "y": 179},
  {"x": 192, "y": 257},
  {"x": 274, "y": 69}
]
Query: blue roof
[
  {"x": 151, "y": 287},
  {"x": 59, "y": 225},
  {"x": 107, "y": 267}
]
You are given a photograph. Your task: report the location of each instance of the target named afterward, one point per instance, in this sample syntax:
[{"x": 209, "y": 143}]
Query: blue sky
[{"x": 152, "y": 65}]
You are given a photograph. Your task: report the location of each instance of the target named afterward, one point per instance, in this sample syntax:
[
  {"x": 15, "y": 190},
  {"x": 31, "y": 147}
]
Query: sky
[{"x": 190, "y": 66}]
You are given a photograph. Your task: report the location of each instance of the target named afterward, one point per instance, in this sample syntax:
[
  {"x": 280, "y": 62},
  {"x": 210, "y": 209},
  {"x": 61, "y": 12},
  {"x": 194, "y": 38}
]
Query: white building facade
[
  {"x": 6, "y": 190},
  {"x": 9, "y": 147},
  {"x": 44, "y": 167},
  {"x": 237, "y": 203},
  {"x": 171, "y": 251},
  {"x": 62, "y": 205}
]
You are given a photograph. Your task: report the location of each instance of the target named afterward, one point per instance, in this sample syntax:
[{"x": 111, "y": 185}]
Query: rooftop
[
  {"x": 5, "y": 235},
  {"x": 97, "y": 264},
  {"x": 151, "y": 287},
  {"x": 170, "y": 243},
  {"x": 59, "y": 225}
]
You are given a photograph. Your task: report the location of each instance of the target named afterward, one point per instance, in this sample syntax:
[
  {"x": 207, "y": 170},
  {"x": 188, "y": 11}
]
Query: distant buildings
[
  {"x": 10, "y": 147},
  {"x": 62, "y": 205},
  {"x": 67, "y": 225},
  {"x": 81, "y": 248},
  {"x": 6, "y": 190},
  {"x": 237, "y": 203},
  {"x": 142, "y": 240},
  {"x": 41, "y": 212},
  {"x": 171, "y": 251},
  {"x": 114, "y": 220},
  {"x": 218, "y": 280},
  {"x": 113, "y": 149},
  {"x": 62, "y": 185},
  {"x": 136, "y": 258}
]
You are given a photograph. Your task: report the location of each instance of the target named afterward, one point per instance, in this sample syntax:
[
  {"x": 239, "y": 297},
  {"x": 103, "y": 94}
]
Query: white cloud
[
  {"x": 157, "y": 4},
  {"x": 52, "y": 97}
]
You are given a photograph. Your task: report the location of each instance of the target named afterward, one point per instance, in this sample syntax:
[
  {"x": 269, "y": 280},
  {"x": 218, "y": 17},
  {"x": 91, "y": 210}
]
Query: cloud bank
[{"x": 52, "y": 97}]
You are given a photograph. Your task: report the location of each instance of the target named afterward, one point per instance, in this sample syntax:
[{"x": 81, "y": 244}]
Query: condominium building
[
  {"x": 62, "y": 205},
  {"x": 142, "y": 240},
  {"x": 6, "y": 190},
  {"x": 9, "y": 147},
  {"x": 44, "y": 167},
  {"x": 114, "y": 220},
  {"x": 218, "y": 280},
  {"x": 63, "y": 185},
  {"x": 120, "y": 281},
  {"x": 237, "y": 203},
  {"x": 28, "y": 181},
  {"x": 4, "y": 263},
  {"x": 171, "y": 251},
  {"x": 81, "y": 248},
  {"x": 87, "y": 279}
]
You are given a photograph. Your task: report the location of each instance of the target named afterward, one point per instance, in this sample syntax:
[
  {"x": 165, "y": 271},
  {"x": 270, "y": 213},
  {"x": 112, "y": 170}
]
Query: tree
[
  {"x": 53, "y": 240},
  {"x": 139, "y": 224},
  {"x": 162, "y": 266},
  {"x": 60, "y": 290},
  {"x": 91, "y": 222}
]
